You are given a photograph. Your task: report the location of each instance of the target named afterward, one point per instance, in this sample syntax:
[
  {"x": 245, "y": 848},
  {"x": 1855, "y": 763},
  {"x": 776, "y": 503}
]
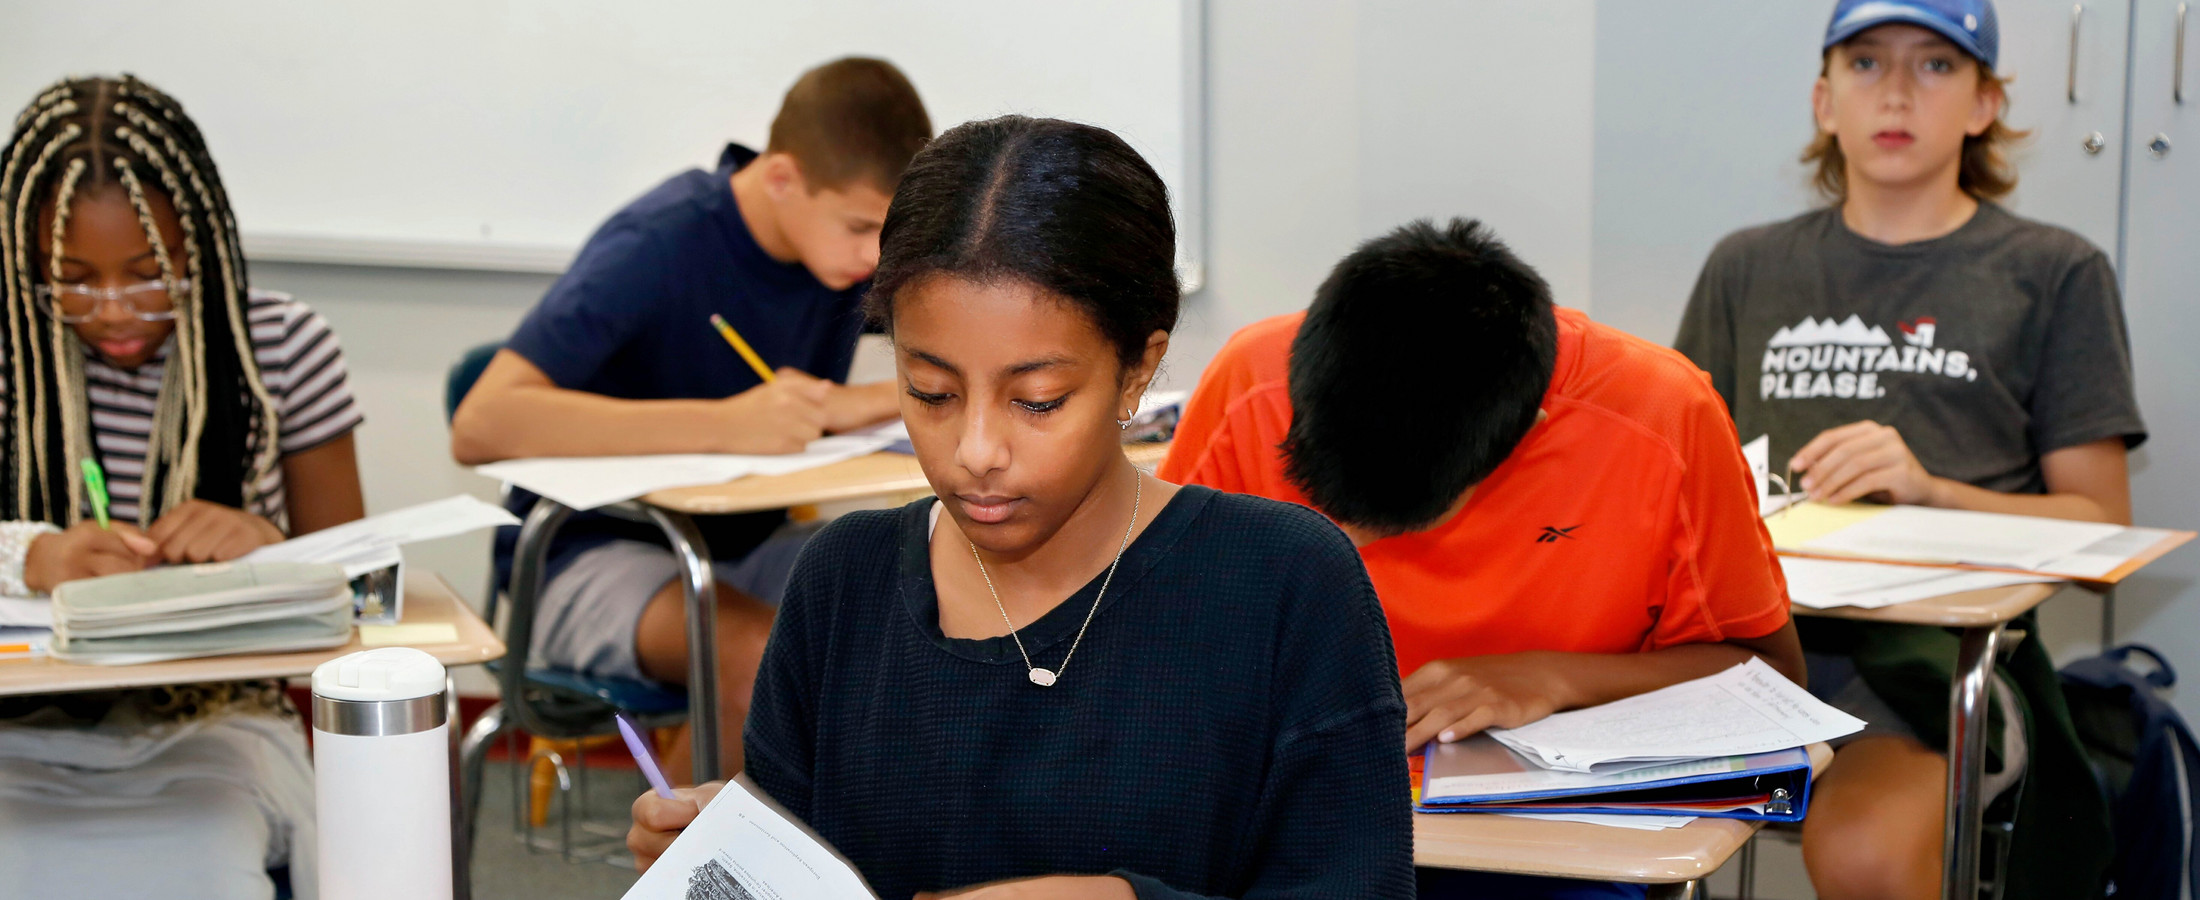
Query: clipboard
[{"x": 1481, "y": 775}]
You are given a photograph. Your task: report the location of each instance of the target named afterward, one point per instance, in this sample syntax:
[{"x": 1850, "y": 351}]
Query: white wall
[{"x": 1330, "y": 123}]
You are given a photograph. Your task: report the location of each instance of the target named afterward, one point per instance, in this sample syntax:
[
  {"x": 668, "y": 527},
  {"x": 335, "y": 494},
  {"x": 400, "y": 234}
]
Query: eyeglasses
[{"x": 149, "y": 301}]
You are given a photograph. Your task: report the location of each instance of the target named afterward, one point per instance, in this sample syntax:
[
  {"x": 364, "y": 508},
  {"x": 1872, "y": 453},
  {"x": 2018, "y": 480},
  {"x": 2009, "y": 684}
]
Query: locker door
[
  {"x": 2066, "y": 64},
  {"x": 2162, "y": 297}
]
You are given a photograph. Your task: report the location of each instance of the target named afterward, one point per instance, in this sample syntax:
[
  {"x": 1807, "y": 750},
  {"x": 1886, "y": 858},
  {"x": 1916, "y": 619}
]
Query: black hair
[
  {"x": 1419, "y": 368},
  {"x": 214, "y": 425},
  {"x": 1068, "y": 208}
]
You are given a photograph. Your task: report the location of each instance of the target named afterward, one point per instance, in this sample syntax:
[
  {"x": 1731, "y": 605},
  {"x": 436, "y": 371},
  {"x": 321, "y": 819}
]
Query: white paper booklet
[
  {"x": 1750, "y": 708},
  {"x": 741, "y": 847},
  {"x": 587, "y": 482},
  {"x": 1829, "y": 583}
]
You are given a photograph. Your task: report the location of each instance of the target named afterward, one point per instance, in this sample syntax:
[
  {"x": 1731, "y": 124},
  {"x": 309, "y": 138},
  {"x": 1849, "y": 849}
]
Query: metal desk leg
[
  {"x": 1685, "y": 890},
  {"x": 462, "y": 882},
  {"x": 2108, "y": 618},
  {"x": 702, "y": 627},
  {"x": 1967, "y": 704}
]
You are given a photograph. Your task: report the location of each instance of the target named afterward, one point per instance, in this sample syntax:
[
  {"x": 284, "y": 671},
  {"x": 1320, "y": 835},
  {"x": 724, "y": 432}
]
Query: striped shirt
[{"x": 300, "y": 363}]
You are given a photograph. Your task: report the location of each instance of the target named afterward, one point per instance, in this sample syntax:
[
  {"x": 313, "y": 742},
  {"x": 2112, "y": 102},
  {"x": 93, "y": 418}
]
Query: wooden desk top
[
  {"x": 1488, "y": 843},
  {"x": 863, "y": 478},
  {"x": 1970, "y": 609},
  {"x": 429, "y": 600}
]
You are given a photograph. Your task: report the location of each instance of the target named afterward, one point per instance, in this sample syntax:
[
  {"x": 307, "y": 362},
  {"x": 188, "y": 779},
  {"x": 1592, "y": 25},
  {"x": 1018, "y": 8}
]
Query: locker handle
[
  {"x": 2177, "y": 71},
  {"x": 2077, "y": 13}
]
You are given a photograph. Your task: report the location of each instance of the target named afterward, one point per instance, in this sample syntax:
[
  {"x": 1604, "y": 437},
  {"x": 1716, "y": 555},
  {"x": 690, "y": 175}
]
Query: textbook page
[
  {"x": 1830, "y": 583},
  {"x": 1750, "y": 708},
  {"x": 740, "y": 847},
  {"x": 371, "y": 539}
]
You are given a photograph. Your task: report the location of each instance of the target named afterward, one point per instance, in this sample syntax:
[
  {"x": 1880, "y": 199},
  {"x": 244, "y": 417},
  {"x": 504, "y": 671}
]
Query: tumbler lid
[{"x": 386, "y": 673}]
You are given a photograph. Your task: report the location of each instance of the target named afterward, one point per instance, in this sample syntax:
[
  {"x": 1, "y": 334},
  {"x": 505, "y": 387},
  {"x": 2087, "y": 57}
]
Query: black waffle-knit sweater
[{"x": 1229, "y": 727}]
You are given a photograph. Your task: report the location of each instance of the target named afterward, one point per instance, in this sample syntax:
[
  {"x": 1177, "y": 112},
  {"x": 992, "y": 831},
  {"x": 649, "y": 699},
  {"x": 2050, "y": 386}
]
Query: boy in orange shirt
[{"x": 1555, "y": 514}]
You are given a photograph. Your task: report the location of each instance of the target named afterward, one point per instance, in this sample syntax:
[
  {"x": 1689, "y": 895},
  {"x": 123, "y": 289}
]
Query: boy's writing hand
[
  {"x": 1051, "y": 887},
  {"x": 782, "y": 416},
  {"x": 199, "y": 531},
  {"x": 1863, "y": 459},
  {"x": 1453, "y": 699},
  {"x": 86, "y": 551},
  {"x": 658, "y": 821}
]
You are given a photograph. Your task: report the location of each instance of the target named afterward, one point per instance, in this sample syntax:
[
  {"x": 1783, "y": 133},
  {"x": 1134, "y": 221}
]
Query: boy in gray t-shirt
[
  {"x": 1985, "y": 349},
  {"x": 1915, "y": 343}
]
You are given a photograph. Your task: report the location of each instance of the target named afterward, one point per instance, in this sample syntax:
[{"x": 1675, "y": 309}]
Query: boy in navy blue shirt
[{"x": 620, "y": 358}]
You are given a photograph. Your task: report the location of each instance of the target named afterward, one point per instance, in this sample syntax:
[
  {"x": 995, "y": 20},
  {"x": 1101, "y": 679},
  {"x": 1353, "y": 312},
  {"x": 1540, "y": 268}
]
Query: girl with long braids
[{"x": 222, "y": 419}]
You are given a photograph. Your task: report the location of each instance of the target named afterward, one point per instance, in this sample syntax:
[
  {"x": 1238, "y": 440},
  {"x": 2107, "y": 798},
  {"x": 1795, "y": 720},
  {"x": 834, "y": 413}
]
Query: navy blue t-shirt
[{"x": 631, "y": 319}]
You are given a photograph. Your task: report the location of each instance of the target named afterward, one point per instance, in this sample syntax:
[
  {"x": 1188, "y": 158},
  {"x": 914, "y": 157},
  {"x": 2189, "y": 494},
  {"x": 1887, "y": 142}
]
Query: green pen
[{"x": 95, "y": 482}]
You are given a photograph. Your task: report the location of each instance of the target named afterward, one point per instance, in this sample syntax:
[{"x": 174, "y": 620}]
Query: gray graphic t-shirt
[{"x": 1985, "y": 348}]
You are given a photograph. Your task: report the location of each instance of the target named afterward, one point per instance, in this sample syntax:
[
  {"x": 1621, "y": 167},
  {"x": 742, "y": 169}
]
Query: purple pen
[{"x": 643, "y": 757}]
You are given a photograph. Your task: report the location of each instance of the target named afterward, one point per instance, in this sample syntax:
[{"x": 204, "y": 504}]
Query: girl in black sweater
[{"x": 1067, "y": 679}]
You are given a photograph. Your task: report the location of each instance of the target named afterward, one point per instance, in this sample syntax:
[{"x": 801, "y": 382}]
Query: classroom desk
[
  {"x": 1980, "y": 617},
  {"x": 429, "y": 600},
  {"x": 863, "y": 478},
  {"x": 1672, "y": 862}
]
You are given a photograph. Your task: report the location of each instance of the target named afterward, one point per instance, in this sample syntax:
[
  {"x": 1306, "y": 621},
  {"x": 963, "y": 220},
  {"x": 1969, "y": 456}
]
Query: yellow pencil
[{"x": 742, "y": 347}]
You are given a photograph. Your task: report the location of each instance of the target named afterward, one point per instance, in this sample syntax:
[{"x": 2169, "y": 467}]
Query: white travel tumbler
[{"x": 382, "y": 776}]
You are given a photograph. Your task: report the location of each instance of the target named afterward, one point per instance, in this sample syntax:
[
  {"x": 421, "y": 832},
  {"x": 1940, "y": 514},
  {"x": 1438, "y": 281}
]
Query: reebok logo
[{"x": 1551, "y": 535}]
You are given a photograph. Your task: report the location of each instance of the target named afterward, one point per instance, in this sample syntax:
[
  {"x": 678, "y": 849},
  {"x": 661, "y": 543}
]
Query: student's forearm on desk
[
  {"x": 522, "y": 422},
  {"x": 2088, "y": 482},
  {"x": 1957, "y": 495}
]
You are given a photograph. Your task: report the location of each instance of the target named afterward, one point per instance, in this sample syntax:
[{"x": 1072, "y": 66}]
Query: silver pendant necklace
[{"x": 1039, "y": 676}]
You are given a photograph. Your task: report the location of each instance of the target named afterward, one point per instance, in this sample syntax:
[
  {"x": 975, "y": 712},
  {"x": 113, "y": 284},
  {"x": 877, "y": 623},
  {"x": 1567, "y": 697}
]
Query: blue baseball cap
[{"x": 1969, "y": 24}]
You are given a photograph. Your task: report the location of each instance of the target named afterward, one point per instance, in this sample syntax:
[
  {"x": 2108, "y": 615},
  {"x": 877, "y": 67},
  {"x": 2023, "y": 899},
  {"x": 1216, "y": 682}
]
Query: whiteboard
[{"x": 484, "y": 134}]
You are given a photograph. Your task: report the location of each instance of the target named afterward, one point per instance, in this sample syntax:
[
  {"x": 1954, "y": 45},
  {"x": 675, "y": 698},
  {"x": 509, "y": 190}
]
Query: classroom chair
[{"x": 561, "y": 710}]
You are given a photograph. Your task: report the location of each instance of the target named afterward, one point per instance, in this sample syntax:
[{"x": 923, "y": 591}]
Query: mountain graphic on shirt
[{"x": 1850, "y": 332}]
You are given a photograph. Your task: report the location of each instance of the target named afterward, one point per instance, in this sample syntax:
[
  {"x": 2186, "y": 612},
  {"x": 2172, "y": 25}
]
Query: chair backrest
[{"x": 464, "y": 373}]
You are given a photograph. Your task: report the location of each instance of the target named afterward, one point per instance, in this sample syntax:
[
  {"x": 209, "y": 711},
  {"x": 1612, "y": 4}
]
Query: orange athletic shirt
[{"x": 1625, "y": 522}]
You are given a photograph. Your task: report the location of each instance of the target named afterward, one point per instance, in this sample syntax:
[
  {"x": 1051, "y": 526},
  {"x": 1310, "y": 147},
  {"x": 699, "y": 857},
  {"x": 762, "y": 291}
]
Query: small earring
[{"x": 1123, "y": 424}]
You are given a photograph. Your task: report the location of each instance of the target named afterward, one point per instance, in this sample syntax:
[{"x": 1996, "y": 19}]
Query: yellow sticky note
[
  {"x": 408, "y": 635},
  {"x": 1805, "y": 522}
]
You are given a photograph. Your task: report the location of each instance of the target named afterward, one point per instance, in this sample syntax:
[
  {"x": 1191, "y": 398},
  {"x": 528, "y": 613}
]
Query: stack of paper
[
  {"x": 1749, "y": 708},
  {"x": 587, "y": 482},
  {"x": 1728, "y": 745},
  {"x": 206, "y": 610},
  {"x": 1830, "y": 583},
  {"x": 1949, "y": 537}
]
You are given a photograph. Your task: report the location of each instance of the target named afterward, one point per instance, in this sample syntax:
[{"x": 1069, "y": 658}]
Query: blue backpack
[{"x": 2137, "y": 743}]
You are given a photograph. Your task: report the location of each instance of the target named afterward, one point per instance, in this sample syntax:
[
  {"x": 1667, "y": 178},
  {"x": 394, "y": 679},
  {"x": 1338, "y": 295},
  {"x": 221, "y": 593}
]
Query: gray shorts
[
  {"x": 1833, "y": 679},
  {"x": 589, "y": 613}
]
